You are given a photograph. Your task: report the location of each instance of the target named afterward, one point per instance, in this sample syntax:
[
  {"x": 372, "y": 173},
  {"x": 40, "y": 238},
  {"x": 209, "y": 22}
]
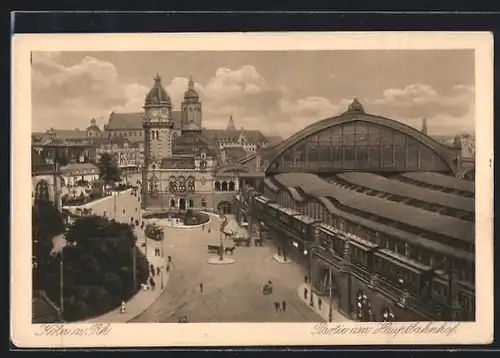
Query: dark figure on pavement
[
  {"x": 203, "y": 227},
  {"x": 153, "y": 272},
  {"x": 152, "y": 283},
  {"x": 169, "y": 258},
  {"x": 277, "y": 306},
  {"x": 151, "y": 267},
  {"x": 209, "y": 230},
  {"x": 158, "y": 271},
  {"x": 168, "y": 267},
  {"x": 305, "y": 278},
  {"x": 305, "y": 293},
  {"x": 319, "y": 302},
  {"x": 283, "y": 305},
  {"x": 201, "y": 287}
]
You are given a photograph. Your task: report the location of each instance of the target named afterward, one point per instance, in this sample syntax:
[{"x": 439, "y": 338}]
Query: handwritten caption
[
  {"x": 59, "y": 329},
  {"x": 388, "y": 329}
]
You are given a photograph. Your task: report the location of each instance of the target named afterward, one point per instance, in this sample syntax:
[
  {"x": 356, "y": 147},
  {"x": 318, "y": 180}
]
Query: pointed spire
[
  {"x": 230, "y": 125},
  {"x": 424, "y": 126},
  {"x": 191, "y": 82},
  {"x": 157, "y": 80}
]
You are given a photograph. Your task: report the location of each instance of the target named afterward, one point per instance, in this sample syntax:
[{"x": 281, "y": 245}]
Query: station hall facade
[{"x": 378, "y": 213}]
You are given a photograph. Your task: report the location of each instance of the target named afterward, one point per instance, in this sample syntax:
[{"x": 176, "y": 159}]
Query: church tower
[
  {"x": 191, "y": 109},
  {"x": 230, "y": 125},
  {"x": 157, "y": 124}
]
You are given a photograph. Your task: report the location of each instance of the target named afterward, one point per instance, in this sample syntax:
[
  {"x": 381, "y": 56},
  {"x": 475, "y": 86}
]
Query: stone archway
[
  {"x": 42, "y": 191},
  {"x": 224, "y": 207},
  {"x": 182, "y": 204}
]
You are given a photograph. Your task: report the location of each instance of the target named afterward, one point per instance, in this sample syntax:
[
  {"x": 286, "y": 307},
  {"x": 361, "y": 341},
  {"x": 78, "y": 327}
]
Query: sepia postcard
[{"x": 252, "y": 189}]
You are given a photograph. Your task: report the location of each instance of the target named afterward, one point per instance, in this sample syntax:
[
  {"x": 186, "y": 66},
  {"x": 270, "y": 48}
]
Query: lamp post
[
  {"x": 61, "y": 283},
  {"x": 134, "y": 268},
  {"x": 221, "y": 252},
  {"x": 330, "y": 308},
  {"x": 311, "y": 252}
]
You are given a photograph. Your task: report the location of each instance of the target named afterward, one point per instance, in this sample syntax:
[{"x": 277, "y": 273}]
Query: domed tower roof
[
  {"x": 93, "y": 125},
  {"x": 157, "y": 95},
  {"x": 191, "y": 93}
]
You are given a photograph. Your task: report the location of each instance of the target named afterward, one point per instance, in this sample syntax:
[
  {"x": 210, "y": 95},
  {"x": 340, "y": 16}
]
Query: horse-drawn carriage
[{"x": 154, "y": 232}]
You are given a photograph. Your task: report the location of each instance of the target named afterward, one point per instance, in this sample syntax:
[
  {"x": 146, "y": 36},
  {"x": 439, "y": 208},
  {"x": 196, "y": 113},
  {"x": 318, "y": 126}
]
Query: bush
[{"x": 98, "y": 268}]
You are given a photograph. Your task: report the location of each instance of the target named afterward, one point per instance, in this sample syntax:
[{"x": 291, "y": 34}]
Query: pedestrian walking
[
  {"x": 201, "y": 287},
  {"x": 203, "y": 227},
  {"x": 152, "y": 283},
  {"x": 158, "y": 271},
  {"x": 209, "y": 229},
  {"x": 169, "y": 258},
  {"x": 305, "y": 278},
  {"x": 277, "y": 306},
  {"x": 319, "y": 302},
  {"x": 283, "y": 305},
  {"x": 153, "y": 272},
  {"x": 151, "y": 268},
  {"x": 168, "y": 268},
  {"x": 305, "y": 293},
  {"x": 122, "y": 307}
]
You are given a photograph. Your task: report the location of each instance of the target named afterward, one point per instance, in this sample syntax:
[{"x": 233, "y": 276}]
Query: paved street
[{"x": 232, "y": 293}]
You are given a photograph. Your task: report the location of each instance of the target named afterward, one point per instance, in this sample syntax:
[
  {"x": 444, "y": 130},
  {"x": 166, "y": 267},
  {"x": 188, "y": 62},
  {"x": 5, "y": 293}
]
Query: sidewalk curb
[{"x": 156, "y": 299}]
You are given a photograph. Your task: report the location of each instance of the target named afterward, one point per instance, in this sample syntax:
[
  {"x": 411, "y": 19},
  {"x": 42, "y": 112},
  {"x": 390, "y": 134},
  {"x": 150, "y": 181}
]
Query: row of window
[
  {"x": 224, "y": 185},
  {"x": 136, "y": 133},
  {"x": 317, "y": 211},
  {"x": 364, "y": 157}
]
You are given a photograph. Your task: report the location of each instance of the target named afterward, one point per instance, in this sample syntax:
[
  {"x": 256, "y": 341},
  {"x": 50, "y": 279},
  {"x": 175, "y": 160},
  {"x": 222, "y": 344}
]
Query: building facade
[
  {"x": 182, "y": 166},
  {"x": 129, "y": 156},
  {"x": 386, "y": 227}
]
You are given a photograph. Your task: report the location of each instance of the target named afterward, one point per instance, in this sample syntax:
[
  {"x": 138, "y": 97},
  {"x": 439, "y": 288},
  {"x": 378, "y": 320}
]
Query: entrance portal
[
  {"x": 182, "y": 204},
  {"x": 224, "y": 207}
]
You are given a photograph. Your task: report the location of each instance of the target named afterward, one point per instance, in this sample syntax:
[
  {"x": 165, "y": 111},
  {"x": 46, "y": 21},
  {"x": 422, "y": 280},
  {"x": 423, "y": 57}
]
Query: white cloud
[
  {"x": 68, "y": 96},
  {"x": 446, "y": 113}
]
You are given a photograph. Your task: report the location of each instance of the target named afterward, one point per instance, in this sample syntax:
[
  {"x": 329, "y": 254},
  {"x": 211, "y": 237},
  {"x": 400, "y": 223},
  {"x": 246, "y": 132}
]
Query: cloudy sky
[{"x": 276, "y": 92}]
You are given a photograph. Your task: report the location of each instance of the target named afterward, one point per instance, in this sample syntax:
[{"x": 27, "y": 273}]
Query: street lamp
[
  {"x": 311, "y": 252},
  {"x": 61, "y": 283},
  {"x": 330, "y": 288}
]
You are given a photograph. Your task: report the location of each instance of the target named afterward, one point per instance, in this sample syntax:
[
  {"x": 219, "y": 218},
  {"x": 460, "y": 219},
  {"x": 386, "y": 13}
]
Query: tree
[
  {"x": 47, "y": 222},
  {"x": 108, "y": 169},
  {"x": 98, "y": 267}
]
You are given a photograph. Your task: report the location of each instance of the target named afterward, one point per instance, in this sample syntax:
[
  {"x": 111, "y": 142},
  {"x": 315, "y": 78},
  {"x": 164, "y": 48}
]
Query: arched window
[
  {"x": 191, "y": 203},
  {"x": 191, "y": 182},
  {"x": 224, "y": 185},
  {"x": 172, "y": 203},
  {"x": 231, "y": 186},
  {"x": 217, "y": 185},
  {"x": 153, "y": 184},
  {"x": 172, "y": 184},
  {"x": 42, "y": 191},
  {"x": 182, "y": 184}
]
